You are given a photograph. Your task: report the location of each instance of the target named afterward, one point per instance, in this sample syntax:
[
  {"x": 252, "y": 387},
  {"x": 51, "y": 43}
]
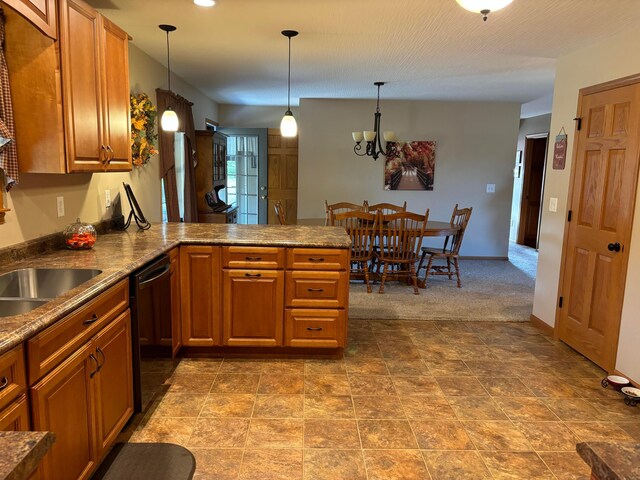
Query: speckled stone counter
[
  {"x": 118, "y": 254},
  {"x": 611, "y": 461},
  {"x": 22, "y": 452}
]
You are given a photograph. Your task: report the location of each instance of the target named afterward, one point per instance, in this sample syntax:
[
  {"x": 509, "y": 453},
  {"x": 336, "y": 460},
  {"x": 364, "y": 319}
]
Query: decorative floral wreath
[{"x": 143, "y": 133}]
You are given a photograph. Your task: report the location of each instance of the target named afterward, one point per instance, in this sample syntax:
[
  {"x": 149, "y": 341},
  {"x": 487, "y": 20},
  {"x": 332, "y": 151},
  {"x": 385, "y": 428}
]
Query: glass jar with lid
[{"x": 79, "y": 235}]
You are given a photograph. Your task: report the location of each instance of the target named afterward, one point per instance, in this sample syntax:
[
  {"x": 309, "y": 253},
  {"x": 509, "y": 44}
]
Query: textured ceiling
[{"x": 425, "y": 49}]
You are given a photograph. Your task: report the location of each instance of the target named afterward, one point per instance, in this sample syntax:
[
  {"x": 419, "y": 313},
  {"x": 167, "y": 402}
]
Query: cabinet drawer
[
  {"x": 316, "y": 289},
  {"x": 12, "y": 376},
  {"x": 15, "y": 417},
  {"x": 53, "y": 345},
  {"x": 314, "y": 328},
  {"x": 253, "y": 257},
  {"x": 317, "y": 259}
]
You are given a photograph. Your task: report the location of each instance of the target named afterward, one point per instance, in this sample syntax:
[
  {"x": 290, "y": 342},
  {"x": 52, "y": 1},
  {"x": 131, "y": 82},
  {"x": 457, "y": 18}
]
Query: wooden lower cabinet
[
  {"x": 200, "y": 295},
  {"x": 113, "y": 382},
  {"x": 15, "y": 417},
  {"x": 85, "y": 402},
  {"x": 253, "y": 307},
  {"x": 63, "y": 402},
  {"x": 176, "y": 323}
]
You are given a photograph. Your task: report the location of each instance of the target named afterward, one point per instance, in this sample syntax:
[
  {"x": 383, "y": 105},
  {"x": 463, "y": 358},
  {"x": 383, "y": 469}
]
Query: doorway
[
  {"x": 602, "y": 196},
  {"x": 247, "y": 173},
  {"x": 535, "y": 159}
]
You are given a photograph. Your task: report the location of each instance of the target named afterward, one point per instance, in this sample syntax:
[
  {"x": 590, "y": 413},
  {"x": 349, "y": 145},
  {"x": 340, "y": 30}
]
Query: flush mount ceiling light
[
  {"x": 483, "y": 7},
  {"x": 169, "y": 121},
  {"x": 374, "y": 143},
  {"x": 288, "y": 125},
  {"x": 204, "y": 3}
]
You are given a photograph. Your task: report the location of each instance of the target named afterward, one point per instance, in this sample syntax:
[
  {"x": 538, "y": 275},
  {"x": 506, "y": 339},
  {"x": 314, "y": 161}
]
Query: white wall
[
  {"x": 33, "y": 201},
  {"x": 613, "y": 58},
  {"x": 247, "y": 116},
  {"x": 528, "y": 126},
  {"x": 476, "y": 144}
]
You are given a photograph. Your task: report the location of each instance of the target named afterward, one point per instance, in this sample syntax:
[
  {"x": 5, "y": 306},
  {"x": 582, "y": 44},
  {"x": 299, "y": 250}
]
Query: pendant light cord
[
  {"x": 289, "y": 80},
  {"x": 168, "y": 63}
]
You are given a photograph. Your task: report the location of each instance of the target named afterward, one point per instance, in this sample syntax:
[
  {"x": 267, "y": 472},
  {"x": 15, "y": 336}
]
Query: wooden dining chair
[
  {"x": 361, "y": 227},
  {"x": 450, "y": 251},
  {"x": 387, "y": 208},
  {"x": 400, "y": 238},
  {"x": 341, "y": 207},
  {"x": 280, "y": 213}
]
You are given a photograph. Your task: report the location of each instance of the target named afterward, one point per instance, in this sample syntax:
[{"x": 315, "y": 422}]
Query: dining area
[{"x": 387, "y": 242}]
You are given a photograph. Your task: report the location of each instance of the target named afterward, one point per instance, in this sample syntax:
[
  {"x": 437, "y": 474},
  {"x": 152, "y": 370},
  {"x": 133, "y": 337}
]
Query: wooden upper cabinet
[
  {"x": 78, "y": 86},
  {"x": 116, "y": 117},
  {"x": 95, "y": 79},
  {"x": 42, "y": 13}
]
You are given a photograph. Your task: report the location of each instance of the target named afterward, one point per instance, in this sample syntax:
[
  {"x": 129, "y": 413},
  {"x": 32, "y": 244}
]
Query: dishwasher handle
[{"x": 155, "y": 275}]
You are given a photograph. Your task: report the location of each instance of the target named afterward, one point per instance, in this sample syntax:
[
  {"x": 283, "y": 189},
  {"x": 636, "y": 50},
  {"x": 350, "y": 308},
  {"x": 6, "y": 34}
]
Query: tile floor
[{"x": 410, "y": 400}]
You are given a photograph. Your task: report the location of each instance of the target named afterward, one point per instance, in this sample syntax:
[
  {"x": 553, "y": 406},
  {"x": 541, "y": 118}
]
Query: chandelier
[
  {"x": 374, "y": 144},
  {"x": 483, "y": 7}
]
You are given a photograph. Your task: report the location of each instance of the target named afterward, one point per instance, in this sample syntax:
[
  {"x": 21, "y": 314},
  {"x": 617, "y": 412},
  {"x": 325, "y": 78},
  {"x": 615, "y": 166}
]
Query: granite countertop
[
  {"x": 118, "y": 254},
  {"x": 611, "y": 461},
  {"x": 22, "y": 452}
]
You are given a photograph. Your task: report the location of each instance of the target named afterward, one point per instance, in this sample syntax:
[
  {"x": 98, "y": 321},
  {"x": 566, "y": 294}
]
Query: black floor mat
[{"x": 142, "y": 461}]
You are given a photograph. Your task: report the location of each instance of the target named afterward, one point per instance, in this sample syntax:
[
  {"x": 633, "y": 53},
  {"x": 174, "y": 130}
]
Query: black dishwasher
[{"x": 150, "y": 318}]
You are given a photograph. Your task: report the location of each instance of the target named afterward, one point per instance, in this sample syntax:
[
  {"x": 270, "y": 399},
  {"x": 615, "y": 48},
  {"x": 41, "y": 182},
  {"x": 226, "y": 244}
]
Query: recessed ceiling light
[{"x": 204, "y": 3}]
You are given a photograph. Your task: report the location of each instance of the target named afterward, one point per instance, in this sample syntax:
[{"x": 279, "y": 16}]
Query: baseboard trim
[
  {"x": 633, "y": 382},
  {"x": 542, "y": 326}
]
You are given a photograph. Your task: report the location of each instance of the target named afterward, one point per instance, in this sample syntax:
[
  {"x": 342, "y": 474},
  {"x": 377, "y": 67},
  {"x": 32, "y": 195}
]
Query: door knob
[
  {"x": 614, "y": 247},
  {"x": 263, "y": 197}
]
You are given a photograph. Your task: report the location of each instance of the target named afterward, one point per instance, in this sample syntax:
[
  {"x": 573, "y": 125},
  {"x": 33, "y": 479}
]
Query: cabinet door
[
  {"x": 81, "y": 79},
  {"x": 63, "y": 403},
  {"x": 253, "y": 302},
  {"x": 113, "y": 383},
  {"x": 15, "y": 417},
  {"x": 116, "y": 116},
  {"x": 176, "y": 326},
  {"x": 42, "y": 13},
  {"x": 200, "y": 295}
]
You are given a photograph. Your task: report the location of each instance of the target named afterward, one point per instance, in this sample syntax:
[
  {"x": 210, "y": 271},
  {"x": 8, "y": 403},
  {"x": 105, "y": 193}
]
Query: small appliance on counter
[{"x": 79, "y": 235}]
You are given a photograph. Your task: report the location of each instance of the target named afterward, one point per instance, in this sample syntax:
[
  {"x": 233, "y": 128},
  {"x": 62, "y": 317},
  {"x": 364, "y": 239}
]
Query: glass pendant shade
[
  {"x": 479, "y": 6},
  {"x": 169, "y": 120},
  {"x": 288, "y": 125}
]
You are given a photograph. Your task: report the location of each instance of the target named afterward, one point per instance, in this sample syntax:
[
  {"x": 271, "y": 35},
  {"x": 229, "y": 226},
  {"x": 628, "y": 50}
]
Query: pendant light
[
  {"x": 169, "y": 121},
  {"x": 483, "y": 7},
  {"x": 288, "y": 125}
]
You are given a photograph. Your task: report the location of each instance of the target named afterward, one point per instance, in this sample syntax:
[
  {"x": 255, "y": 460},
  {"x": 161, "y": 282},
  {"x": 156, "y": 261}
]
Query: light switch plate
[
  {"x": 553, "y": 204},
  {"x": 60, "y": 206},
  {"x": 107, "y": 198},
  {"x": 491, "y": 188}
]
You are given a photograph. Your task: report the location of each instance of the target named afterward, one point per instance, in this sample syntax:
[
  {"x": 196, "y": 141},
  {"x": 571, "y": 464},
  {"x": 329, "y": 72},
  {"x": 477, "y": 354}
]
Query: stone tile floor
[{"x": 410, "y": 400}]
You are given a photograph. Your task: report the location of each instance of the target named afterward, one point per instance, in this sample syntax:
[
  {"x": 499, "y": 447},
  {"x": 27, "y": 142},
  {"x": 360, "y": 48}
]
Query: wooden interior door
[
  {"x": 283, "y": 176},
  {"x": 535, "y": 155},
  {"x": 601, "y": 204},
  {"x": 113, "y": 382}
]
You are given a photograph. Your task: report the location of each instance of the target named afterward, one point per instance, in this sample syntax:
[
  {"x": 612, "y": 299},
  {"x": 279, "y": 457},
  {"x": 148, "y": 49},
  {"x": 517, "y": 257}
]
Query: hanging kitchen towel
[{"x": 8, "y": 151}]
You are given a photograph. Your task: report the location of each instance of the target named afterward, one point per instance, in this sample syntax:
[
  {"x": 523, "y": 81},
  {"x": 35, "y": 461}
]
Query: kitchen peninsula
[{"x": 245, "y": 289}]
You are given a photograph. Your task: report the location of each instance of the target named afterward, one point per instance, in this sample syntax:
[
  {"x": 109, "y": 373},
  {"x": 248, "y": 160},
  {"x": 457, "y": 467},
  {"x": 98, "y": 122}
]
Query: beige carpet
[{"x": 492, "y": 290}]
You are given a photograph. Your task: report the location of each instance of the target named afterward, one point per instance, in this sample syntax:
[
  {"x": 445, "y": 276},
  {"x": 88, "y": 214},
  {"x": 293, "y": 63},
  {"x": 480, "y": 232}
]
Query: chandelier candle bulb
[
  {"x": 369, "y": 135},
  {"x": 357, "y": 136}
]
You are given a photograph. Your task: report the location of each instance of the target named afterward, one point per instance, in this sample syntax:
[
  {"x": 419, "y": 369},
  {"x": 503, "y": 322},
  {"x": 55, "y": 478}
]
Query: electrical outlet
[
  {"x": 60, "y": 206},
  {"x": 491, "y": 188},
  {"x": 107, "y": 198},
  {"x": 553, "y": 204}
]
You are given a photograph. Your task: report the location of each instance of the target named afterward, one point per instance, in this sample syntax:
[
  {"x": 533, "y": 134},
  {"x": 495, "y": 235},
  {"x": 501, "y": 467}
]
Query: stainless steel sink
[
  {"x": 9, "y": 307},
  {"x": 43, "y": 283}
]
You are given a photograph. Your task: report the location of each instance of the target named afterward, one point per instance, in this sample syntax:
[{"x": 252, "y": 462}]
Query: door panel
[
  {"x": 283, "y": 176},
  {"x": 113, "y": 382},
  {"x": 602, "y": 197}
]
